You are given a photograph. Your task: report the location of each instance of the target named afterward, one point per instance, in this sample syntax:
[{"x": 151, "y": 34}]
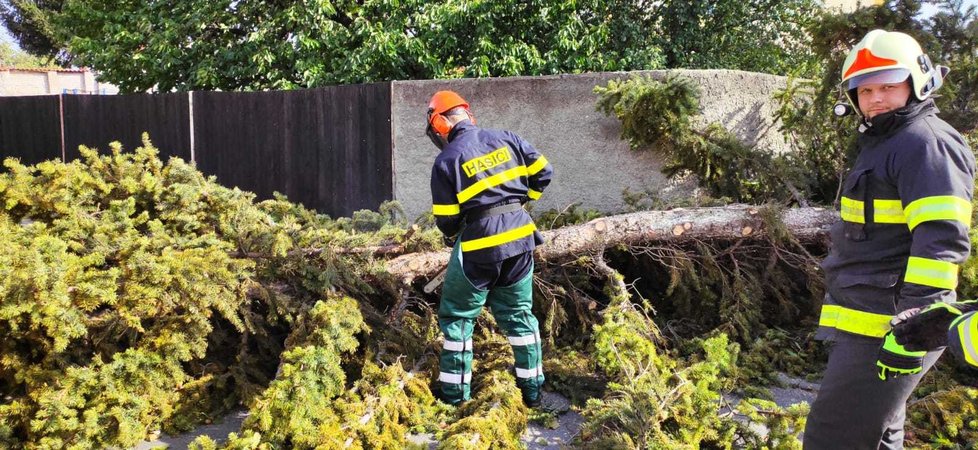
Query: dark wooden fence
[
  {"x": 327, "y": 146},
  {"x": 96, "y": 120},
  {"x": 329, "y": 149},
  {"x": 30, "y": 128}
]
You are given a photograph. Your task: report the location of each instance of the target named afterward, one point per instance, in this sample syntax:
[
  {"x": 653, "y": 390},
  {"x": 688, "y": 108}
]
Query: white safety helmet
[{"x": 890, "y": 57}]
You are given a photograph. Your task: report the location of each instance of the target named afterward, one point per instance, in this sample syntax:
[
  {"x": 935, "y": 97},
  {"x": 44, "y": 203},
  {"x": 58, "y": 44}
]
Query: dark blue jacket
[
  {"x": 906, "y": 212},
  {"x": 478, "y": 169}
]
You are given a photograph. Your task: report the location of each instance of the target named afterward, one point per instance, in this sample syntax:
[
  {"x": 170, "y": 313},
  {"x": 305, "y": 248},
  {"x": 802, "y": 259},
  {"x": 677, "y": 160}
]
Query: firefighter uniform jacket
[
  {"x": 477, "y": 170},
  {"x": 906, "y": 211},
  {"x": 962, "y": 339}
]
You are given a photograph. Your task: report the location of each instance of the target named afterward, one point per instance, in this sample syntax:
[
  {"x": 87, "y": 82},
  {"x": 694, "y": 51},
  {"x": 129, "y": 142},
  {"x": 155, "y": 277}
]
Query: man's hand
[
  {"x": 925, "y": 329},
  {"x": 894, "y": 360}
]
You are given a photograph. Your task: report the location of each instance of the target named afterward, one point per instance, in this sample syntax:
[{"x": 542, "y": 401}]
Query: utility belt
[{"x": 492, "y": 210}]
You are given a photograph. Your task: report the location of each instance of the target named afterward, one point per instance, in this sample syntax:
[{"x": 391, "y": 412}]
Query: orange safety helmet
[{"x": 438, "y": 125}]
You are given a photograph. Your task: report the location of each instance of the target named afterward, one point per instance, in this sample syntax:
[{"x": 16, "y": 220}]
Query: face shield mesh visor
[{"x": 432, "y": 134}]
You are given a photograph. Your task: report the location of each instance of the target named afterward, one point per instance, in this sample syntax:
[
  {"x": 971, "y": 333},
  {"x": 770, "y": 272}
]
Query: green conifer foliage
[
  {"x": 662, "y": 116},
  {"x": 114, "y": 277},
  {"x": 139, "y": 295},
  {"x": 944, "y": 419}
]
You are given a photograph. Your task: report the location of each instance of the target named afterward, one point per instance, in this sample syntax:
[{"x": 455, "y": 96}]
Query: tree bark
[{"x": 673, "y": 226}]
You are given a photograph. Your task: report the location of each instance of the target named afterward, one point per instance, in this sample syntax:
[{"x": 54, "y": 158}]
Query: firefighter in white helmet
[{"x": 906, "y": 211}]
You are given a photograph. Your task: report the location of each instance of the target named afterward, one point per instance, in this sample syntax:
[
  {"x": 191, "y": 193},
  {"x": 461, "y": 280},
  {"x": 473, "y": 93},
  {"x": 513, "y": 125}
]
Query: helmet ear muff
[{"x": 439, "y": 124}]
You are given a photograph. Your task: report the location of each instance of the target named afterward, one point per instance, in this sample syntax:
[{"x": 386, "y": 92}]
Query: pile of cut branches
[{"x": 139, "y": 295}]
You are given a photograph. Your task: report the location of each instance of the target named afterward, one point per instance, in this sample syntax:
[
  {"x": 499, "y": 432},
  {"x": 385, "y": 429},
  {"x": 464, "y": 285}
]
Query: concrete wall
[
  {"x": 20, "y": 82},
  {"x": 556, "y": 114}
]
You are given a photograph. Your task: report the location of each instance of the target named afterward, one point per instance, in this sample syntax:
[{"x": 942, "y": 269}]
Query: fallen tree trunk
[{"x": 675, "y": 226}]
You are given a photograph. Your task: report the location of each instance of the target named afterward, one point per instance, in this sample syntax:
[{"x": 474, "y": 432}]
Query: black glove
[
  {"x": 894, "y": 360},
  {"x": 925, "y": 329},
  {"x": 448, "y": 240}
]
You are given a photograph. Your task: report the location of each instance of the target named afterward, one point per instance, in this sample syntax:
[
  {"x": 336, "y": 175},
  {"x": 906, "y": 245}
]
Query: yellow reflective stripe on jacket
[
  {"x": 446, "y": 210},
  {"x": 537, "y": 165},
  {"x": 499, "y": 239},
  {"x": 967, "y": 331},
  {"x": 888, "y": 211},
  {"x": 534, "y": 195},
  {"x": 853, "y": 321},
  {"x": 940, "y": 207},
  {"x": 853, "y": 210},
  {"x": 491, "y": 182},
  {"x": 932, "y": 272}
]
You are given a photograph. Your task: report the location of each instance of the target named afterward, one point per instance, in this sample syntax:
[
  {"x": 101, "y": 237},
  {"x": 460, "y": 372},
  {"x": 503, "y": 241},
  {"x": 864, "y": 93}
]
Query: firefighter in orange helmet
[
  {"x": 479, "y": 183},
  {"x": 906, "y": 211}
]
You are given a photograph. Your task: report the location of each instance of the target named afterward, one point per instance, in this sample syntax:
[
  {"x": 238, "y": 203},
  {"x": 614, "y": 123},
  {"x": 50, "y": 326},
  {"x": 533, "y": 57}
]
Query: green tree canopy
[
  {"x": 253, "y": 44},
  {"x": 250, "y": 44},
  {"x": 756, "y": 35},
  {"x": 31, "y": 22},
  {"x": 12, "y": 57}
]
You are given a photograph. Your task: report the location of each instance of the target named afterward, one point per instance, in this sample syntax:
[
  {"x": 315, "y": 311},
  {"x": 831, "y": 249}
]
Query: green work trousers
[{"x": 461, "y": 304}]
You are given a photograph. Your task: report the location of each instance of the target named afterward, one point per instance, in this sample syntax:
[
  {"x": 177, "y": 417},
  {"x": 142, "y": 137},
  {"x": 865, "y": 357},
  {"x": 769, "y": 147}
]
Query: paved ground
[
  {"x": 217, "y": 431},
  {"x": 536, "y": 437}
]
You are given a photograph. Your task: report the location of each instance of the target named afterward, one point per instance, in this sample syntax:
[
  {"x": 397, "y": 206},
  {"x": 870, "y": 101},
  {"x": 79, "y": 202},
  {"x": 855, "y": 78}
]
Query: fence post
[
  {"x": 190, "y": 107},
  {"x": 61, "y": 118}
]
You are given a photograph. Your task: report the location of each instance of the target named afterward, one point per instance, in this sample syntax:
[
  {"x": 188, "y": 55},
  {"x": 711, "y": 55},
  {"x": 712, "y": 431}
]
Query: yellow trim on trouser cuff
[
  {"x": 446, "y": 210},
  {"x": 888, "y": 211},
  {"x": 490, "y": 182},
  {"x": 534, "y": 195},
  {"x": 537, "y": 165},
  {"x": 968, "y": 333},
  {"x": 853, "y": 321},
  {"x": 499, "y": 239},
  {"x": 939, "y": 207},
  {"x": 852, "y": 210},
  {"x": 932, "y": 272}
]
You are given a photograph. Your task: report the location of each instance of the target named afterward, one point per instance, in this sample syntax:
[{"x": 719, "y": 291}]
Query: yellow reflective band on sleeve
[
  {"x": 537, "y": 165},
  {"x": 491, "y": 182},
  {"x": 853, "y": 321},
  {"x": 446, "y": 210},
  {"x": 534, "y": 195},
  {"x": 940, "y": 207},
  {"x": 967, "y": 331},
  {"x": 852, "y": 210},
  {"x": 888, "y": 211},
  {"x": 499, "y": 239},
  {"x": 932, "y": 272}
]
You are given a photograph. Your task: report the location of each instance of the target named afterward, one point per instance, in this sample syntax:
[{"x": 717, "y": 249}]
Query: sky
[
  {"x": 5, "y": 36},
  {"x": 926, "y": 10}
]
